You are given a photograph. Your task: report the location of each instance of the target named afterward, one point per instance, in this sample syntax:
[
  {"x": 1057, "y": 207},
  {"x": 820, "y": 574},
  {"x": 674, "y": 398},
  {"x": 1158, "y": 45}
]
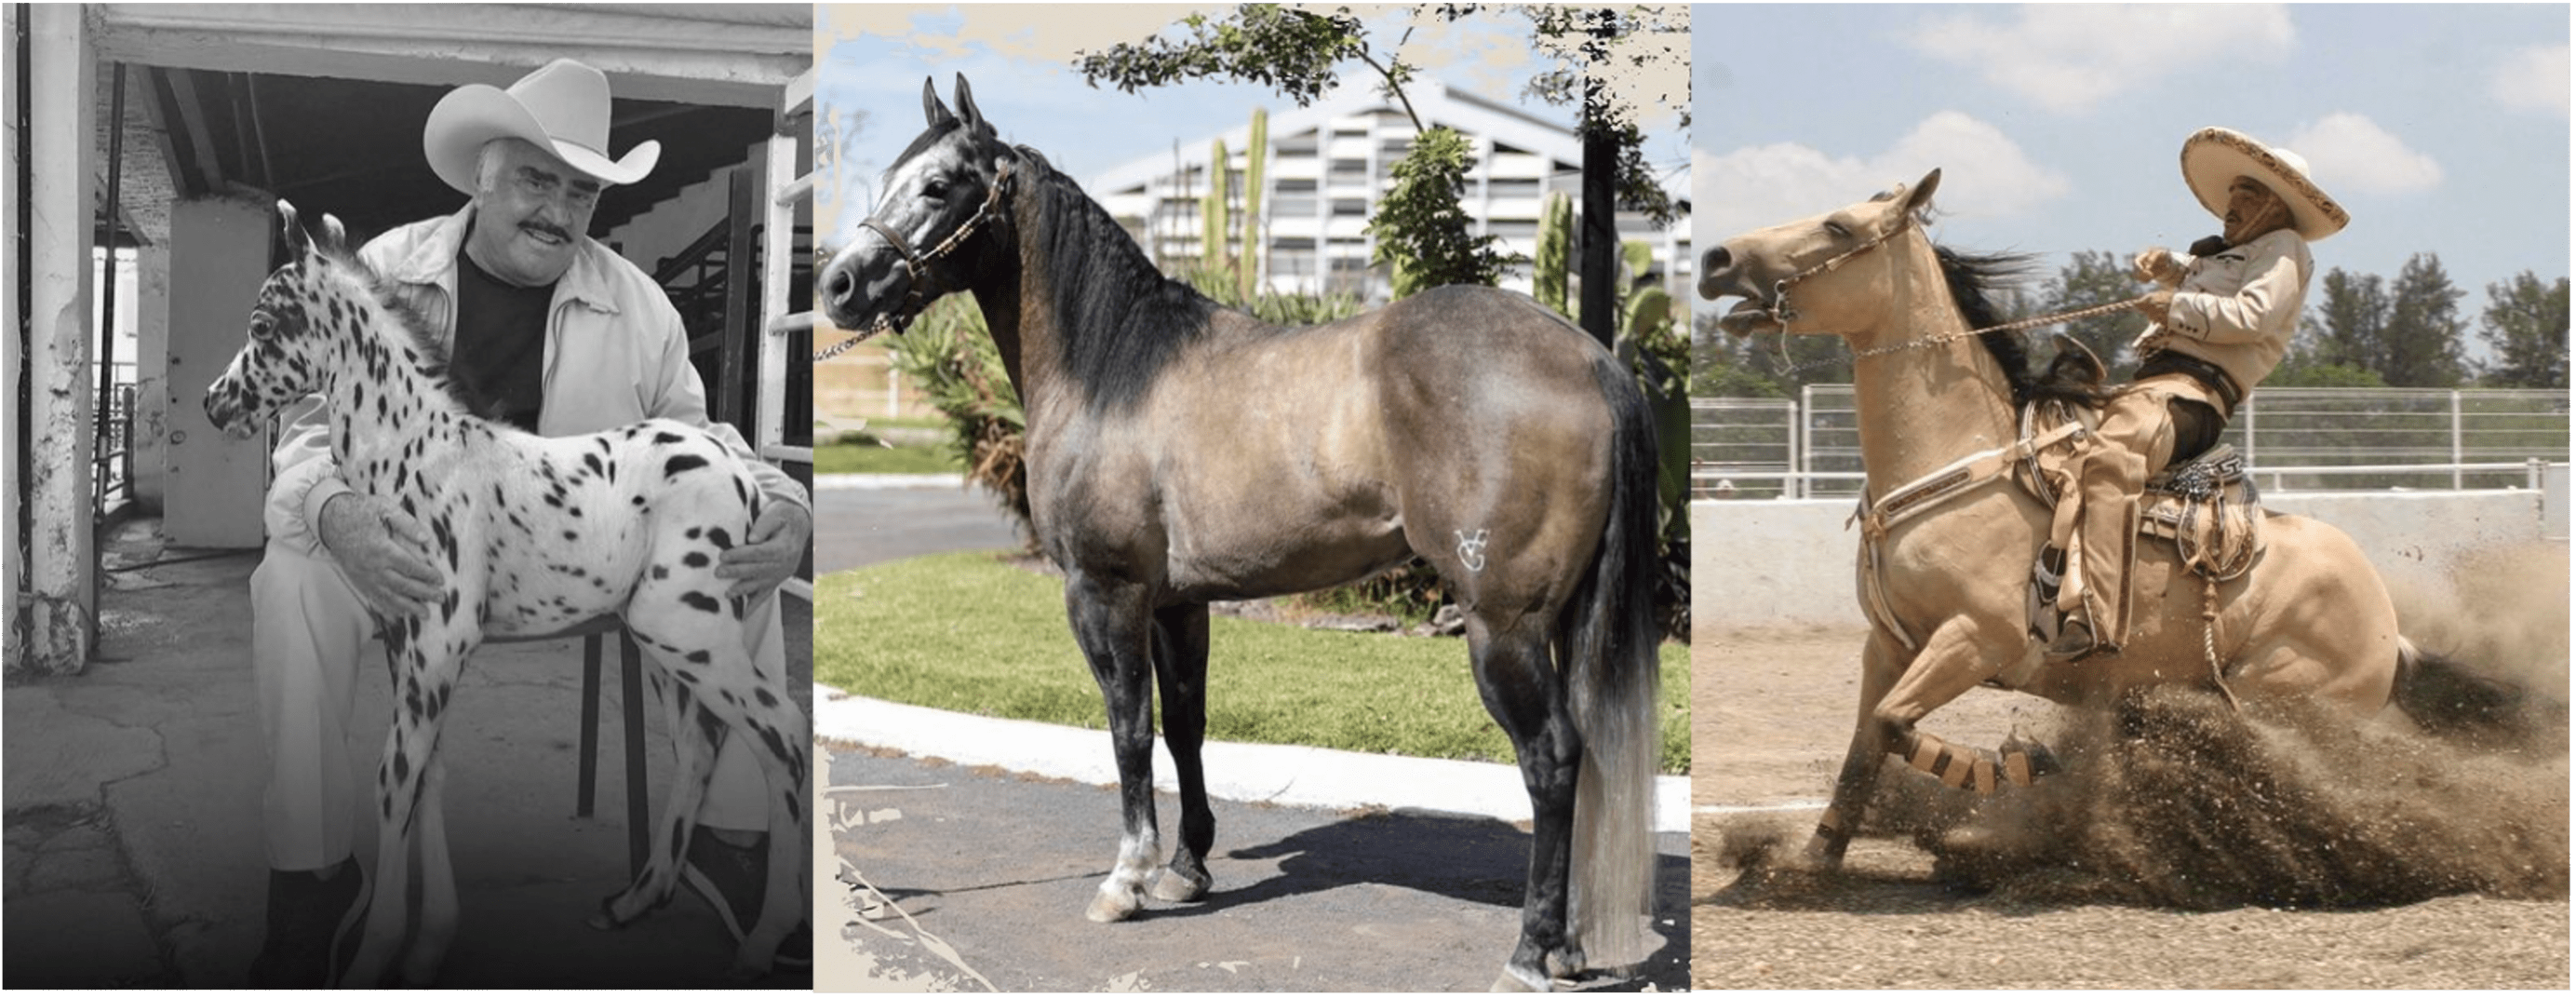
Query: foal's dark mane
[
  {"x": 1973, "y": 278},
  {"x": 433, "y": 357}
]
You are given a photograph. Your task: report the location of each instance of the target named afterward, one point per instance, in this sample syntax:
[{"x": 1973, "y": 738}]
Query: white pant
[{"x": 307, "y": 629}]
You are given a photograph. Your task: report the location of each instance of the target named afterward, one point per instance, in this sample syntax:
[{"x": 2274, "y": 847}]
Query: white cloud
[
  {"x": 2534, "y": 78},
  {"x": 2068, "y": 57},
  {"x": 2349, "y": 153},
  {"x": 1984, "y": 176}
]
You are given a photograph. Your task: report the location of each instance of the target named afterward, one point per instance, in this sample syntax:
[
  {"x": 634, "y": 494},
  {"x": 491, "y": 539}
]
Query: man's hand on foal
[
  {"x": 772, "y": 552},
  {"x": 384, "y": 552}
]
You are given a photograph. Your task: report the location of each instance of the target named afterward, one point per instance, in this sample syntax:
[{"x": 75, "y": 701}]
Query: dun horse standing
[
  {"x": 1179, "y": 453},
  {"x": 533, "y": 534},
  {"x": 2309, "y": 620}
]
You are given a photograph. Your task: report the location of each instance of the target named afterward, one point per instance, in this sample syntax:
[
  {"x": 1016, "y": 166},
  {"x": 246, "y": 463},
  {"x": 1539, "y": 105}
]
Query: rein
[
  {"x": 919, "y": 262},
  {"x": 1782, "y": 314}
]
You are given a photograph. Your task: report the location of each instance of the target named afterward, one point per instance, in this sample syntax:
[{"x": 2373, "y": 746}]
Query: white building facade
[{"x": 1327, "y": 166}]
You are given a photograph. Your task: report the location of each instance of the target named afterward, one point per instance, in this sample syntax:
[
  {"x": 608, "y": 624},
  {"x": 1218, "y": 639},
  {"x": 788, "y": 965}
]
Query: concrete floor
[{"x": 133, "y": 847}]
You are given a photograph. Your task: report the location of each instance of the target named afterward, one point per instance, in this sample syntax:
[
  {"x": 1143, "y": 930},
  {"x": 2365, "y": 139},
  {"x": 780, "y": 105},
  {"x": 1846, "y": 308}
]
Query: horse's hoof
[
  {"x": 605, "y": 919},
  {"x": 1566, "y": 964},
  {"x": 746, "y": 969},
  {"x": 1514, "y": 979},
  {"x": 1114, "y": 906},
  {"x": 1173, "y": 885}
]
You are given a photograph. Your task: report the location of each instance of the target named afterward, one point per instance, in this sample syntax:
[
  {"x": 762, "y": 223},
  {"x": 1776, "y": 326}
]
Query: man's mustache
[{"x": 546, "y": 229}]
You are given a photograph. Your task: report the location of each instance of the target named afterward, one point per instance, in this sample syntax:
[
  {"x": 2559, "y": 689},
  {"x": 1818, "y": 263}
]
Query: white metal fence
[{"x": 2293, "y": 439}]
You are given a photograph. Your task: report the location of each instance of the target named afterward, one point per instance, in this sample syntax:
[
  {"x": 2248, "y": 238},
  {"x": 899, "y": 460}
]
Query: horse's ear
[
  {"x": 297, "y": 239},
  {"x": 966, "y": 107},
  {"x": 1920, "y": 200},
  {"x": 931, "y": 109},
  {"x": 335, "y": 237}
]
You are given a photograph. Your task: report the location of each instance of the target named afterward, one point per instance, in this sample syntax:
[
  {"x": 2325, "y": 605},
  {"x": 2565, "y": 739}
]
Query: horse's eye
[
  {"x": 261, "y": 327},
  {"x": 936, "y": 190},
  {"x": 1837, "y": 230}
]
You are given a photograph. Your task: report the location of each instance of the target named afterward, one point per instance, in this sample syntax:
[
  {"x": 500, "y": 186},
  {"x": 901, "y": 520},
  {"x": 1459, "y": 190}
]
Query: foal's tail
[{"x": 1612, "y": 639}]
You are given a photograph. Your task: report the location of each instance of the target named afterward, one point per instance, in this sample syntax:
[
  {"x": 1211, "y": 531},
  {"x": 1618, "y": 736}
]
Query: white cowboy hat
[
  {"x": 561, "y": 108},
  {"x": 2212, "y": 158}
]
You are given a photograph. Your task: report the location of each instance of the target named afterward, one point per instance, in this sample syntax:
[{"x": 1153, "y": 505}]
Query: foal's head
[
  {"x": 943, "y": 202},
  {"x": 305, "y": 310}
]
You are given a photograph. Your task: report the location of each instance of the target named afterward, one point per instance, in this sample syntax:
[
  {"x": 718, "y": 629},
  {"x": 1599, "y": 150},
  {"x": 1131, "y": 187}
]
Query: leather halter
[
  {"x": 915, "y": 297},
  {"x": 918, "y": 262}
]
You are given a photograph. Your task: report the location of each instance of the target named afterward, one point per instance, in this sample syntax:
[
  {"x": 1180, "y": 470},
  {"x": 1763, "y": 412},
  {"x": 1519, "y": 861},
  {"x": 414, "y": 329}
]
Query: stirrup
[{"x": 2075, "y": 642}]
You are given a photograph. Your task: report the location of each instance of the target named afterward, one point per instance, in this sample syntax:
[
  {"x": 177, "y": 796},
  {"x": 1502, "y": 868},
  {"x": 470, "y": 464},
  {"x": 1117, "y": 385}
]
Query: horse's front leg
[
  {"x": 1112, "y": 623},
  {"x": 1882, "y": 660},
  {"x": 1180, "y": 670},
  {"x": 1957, "y": 657},
  {"x": 422, "y": 682}
]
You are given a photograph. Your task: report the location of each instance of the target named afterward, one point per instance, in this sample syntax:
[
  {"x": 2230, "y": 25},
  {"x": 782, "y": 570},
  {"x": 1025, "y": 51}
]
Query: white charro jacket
[
  {"x": 2239, "y": 308},
  {"x": 616, "y": 353}
]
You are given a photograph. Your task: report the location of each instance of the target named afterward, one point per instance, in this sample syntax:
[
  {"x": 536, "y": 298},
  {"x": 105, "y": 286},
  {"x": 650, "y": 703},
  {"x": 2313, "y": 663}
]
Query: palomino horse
[
  {"x": 2310, "y": 620},
  {"x": 517, "y": 555},
  {"x": 1179, "y": 453}
]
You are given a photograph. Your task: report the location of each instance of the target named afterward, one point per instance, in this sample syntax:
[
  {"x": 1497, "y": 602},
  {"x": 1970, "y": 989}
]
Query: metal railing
[{"x": 2293, "y": 439}]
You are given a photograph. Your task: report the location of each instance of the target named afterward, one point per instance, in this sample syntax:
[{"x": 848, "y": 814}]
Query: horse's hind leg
[
  {"x": 1526, "y": 694},
  {"x": 1112, "y": 624},
  {"x": 1180, "y": 669},
  {"x": 438, "y": 908},
  {"x": 695, "y": 735}
]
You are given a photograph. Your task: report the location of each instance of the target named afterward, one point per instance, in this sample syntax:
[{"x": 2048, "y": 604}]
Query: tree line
[{"x": 2357, "y": 330}]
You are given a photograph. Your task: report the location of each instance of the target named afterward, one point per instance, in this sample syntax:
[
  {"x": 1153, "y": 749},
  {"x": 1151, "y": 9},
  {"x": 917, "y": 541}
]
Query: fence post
[
  {"x": 2457, "y": 452},
  {"x": 1799, "y": 441}
]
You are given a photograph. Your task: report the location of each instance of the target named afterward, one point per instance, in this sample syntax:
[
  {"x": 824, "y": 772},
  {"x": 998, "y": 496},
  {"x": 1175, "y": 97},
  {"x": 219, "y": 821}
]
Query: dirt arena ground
[{"x": 2368, "y": 856}]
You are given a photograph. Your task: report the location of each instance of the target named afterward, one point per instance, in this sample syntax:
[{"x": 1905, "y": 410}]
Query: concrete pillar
[
  {"x": 151, "y": 373},
  {"x": 10, "y": 226},
  {"x": 62, "y": 562},
  {"x": 218, "y": 256}
]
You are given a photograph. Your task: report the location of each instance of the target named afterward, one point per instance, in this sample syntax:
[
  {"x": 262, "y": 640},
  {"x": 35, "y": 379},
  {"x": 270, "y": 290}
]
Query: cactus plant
[
  {"x": 1255, "y": 157},
  {"x": 1555, "y": 255},
  {"x": 1212, "y": 210}
]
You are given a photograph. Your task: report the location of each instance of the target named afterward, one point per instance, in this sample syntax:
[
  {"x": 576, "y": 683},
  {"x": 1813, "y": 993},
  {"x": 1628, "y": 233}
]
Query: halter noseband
[
  {"x": 914, "y": 298},
  {"x": 1778, "y": 308}
]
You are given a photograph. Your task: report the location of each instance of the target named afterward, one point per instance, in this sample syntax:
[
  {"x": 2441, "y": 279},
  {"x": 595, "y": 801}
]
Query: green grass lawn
[
  {"x": 966, "y": 632},
  {"x": 870, "y": 458}
]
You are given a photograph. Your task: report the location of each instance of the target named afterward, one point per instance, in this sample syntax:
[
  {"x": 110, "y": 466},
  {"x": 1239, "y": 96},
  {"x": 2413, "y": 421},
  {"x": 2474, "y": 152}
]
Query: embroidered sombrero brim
[{"x": 2214, "y": 157}]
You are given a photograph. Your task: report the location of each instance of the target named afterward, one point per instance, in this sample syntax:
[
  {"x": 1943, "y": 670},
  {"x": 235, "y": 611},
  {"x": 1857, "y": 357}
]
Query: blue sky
[
  {"x": 1019, "y": 61},
  {"x": 2442, "y": 128}
]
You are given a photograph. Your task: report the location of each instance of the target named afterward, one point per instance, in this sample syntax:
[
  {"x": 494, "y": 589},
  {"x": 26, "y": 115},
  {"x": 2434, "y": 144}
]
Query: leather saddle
[{"x": 2206, "y": 506}]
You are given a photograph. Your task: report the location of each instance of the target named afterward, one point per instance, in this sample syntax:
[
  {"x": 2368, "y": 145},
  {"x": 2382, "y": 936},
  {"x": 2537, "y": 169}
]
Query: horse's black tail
[
  {"x": 2447, "y": 699},
  {"x": 1612, "y": 644}
]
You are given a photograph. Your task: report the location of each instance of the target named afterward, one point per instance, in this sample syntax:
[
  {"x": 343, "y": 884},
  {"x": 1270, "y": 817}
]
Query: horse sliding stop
[
  {"x": 1179, "y": 453},
  {"x": 532, "y": 534},
  {"x": 1951, "y": 517}
]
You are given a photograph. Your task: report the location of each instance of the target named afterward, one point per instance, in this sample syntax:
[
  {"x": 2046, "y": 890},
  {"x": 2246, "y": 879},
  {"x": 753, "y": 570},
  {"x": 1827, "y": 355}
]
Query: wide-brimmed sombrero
[
  {"x": 562, "y": 108},
  {"x": 2212, "y": 158}
]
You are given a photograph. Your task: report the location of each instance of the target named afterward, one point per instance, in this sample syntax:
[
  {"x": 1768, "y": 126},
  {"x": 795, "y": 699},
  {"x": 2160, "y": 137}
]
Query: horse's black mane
[
  {"x": 1118, "y": 321},
  {"x": 1973, "y": 278}
]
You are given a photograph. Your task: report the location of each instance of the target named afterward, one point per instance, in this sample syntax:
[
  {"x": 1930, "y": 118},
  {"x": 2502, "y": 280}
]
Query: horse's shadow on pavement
[{"x": 1470, "y": 859}]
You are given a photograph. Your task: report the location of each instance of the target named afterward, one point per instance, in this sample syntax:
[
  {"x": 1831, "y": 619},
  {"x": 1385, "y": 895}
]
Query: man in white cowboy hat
[
  {"x": 2221, "y": 318},
  {"x": 557, "y": 334}
]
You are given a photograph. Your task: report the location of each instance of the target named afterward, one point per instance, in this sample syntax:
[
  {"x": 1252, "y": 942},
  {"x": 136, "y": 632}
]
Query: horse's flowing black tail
[
  {"x": 1612, "y": 638},
  {"x": 2447, "y": 699}
]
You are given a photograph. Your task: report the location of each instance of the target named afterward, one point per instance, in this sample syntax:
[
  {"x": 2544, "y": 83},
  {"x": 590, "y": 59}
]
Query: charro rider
[
  {"x": 561, "y": 336},
  {"x": 2222, "y": 316}
]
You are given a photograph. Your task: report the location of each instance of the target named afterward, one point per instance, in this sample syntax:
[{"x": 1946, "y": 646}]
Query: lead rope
[{"x": 2209, "y": 640}]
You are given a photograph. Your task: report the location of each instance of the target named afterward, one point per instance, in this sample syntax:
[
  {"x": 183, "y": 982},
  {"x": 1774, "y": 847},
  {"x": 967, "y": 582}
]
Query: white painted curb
[
  {"x": 1277, "y": 774},
  {"x": 948, "y": 480}
]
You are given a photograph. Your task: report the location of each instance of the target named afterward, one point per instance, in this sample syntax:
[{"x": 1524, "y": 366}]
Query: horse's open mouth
[{"x": 1747, "y": 318}]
